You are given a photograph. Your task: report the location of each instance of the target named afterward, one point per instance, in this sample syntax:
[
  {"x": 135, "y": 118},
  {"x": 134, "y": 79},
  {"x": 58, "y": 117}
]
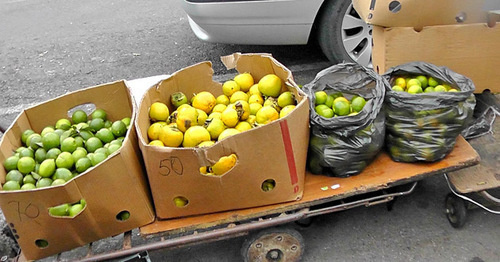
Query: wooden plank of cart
[{"x": 376, "y": 184}]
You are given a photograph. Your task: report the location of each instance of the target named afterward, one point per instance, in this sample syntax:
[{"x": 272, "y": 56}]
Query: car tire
[{"x": 342, "y": 34}]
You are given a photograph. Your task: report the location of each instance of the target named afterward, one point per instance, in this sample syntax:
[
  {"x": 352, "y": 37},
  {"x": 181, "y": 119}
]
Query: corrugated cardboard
[
  {"x": 274, "y": 151},
  {"x": 471, "y": 50},
  {"x": 117, "y": 184},
  {"x": 420, "y": 13}
]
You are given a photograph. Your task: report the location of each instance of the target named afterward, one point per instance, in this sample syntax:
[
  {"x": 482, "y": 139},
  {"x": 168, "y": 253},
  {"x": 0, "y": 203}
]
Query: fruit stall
[{"x": 172, "y": 155}]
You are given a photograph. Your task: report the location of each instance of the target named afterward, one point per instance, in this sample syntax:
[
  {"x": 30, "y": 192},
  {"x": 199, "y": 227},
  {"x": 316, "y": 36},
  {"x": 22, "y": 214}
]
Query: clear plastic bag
[{"x": 343, "y": 146}]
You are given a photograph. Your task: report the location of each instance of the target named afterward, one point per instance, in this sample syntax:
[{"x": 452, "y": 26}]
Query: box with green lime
[
  {"x": 73, "y": 163},
  {"x": 347, "y": 126},
  {"x": 427, "y": 107}
]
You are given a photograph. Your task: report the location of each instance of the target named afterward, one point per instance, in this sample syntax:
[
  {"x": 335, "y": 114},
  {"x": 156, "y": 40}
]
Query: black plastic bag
[
  {"x": 425, "y": 126},
  {"x": 343, "y": 146}
]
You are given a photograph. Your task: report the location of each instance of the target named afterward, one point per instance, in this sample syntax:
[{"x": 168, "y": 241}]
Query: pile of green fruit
[
  {"x": 336, "y": 104},
  {"x": 68, "y": 209},
  {"x": 62, "y": 151},
  {"x": 420, "y": 84}
]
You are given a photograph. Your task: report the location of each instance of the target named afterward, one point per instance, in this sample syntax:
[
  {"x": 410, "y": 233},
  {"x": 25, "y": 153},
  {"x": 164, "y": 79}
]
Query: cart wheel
[
  {"x": 456, "y": 211},
  {"x": 274, "y": 244}
]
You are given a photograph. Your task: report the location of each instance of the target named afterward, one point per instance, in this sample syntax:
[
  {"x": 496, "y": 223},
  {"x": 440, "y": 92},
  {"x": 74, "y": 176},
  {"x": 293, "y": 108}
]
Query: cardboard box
[
  {"x": 115, "y": 185},
  {"x": 470, "y": 50},
  {"x": 275, "y": 151},
  {"x": 420, "y": 13}
]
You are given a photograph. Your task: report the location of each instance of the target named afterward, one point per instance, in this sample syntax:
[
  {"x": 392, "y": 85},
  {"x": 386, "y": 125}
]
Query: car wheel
[{"x": 343, "y": 35}]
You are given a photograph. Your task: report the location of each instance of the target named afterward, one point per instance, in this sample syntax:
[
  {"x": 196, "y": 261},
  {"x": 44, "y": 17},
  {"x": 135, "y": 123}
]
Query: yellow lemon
[
  {"x": 238, "y": 95},
  {"x": 400, "y": 81},
  {"x": 286, "y": 110},
  {"x": 286, "y": 98},
  {"x": 154, "y": 130},
  {"x": 158, "y": 111},
  {"x": 215, "y": 115},
  {"x": 270, "y": 85},
  {"x": 224, "y": 164},
  {"x": 266, "y": 114},
  {"x": 244, "y": 80},
  {"x": 219, "y": 108},
  {"x": 202, "y": 116},
  {"x": 243, "y": 126},
  {"x": 227, "y": 133},
  {"x": 251, "y": 119},
  {"x": 242, "y": 107},
  {"x": 156, "y": 143},
  {"x": 229, "y": 87},
  {"x": 254, "y": 90},
  {"x": 170, "y": 136},
  {"x": 254, "y": 108},
  {"x": 195, "y": 135},
  {"x": 222, "y": 99},
  {"x": 206, "y": 143},
  {"x": 256, "y": 98},
  {"x": 230, "y": 117},
  {"x": 215, "y": 126},
  {"x": 186, "y": 117},
  {"x": 204, "y": 101}
]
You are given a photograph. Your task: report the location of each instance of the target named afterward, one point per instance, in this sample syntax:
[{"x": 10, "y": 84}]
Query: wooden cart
[{"x": 381, "y": 182}]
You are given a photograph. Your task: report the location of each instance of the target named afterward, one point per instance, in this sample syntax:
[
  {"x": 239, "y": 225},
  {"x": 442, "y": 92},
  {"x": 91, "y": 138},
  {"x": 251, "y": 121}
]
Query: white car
[{"x": 334, "y": 24}]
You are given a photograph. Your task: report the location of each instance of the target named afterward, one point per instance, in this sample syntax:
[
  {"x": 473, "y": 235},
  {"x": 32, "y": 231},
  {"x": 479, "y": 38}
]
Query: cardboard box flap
[{"x": 420, "y": 13}]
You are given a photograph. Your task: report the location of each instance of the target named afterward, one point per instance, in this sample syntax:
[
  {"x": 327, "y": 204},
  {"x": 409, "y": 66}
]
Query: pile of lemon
[
  {"x": 420, "y": 84},
  {"x": 336, "y": 104},
  {"x": 64, "y": 150},
  {"x": 206, "y": 119}
]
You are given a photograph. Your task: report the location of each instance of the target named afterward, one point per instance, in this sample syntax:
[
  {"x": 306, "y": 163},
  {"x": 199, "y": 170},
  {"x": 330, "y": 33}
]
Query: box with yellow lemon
[
  {"x": 72, "y": 171},
  {"x": 427, "y": 107},
  {"x": 347, "y": 125},
  {"x": 212, "y": 146}
]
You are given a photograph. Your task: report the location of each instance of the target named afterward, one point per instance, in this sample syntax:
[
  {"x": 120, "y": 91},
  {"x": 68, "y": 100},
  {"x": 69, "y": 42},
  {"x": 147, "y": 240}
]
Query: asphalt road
[{"x": 51, "y": 47}]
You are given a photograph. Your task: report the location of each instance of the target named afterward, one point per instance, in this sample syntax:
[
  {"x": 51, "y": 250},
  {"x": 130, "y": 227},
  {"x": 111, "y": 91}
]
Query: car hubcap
[{"x": 357, "y": 37}]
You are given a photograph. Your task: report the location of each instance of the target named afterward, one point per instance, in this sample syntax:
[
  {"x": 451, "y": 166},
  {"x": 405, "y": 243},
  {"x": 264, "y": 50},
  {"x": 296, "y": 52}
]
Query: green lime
[
  {"x": 126, "y": 120},
  {"x": 10, "y": 163},
  {"x": 98, "y": 158},
  {"x": 28, "y": 179},
  {"x": 50, "y": 140},
  {"x": 58, "y": 181},
  {"x": 79, "y": 153},
  {"x": 99, "y": 113},
  {"x": 118, "y": 128},
  {"x": 34, "y": 141},
  {"x": 11, "y": 185},
  {"x": 124, "y": 215},
  {"x": 83, "y": 164},
  {"x": 79, "y": 116},
  {"x": 96, "y": 124},
  {"x": 47, "y": 168},
  {"x": 329, "y": 101},
  {"x": 28, "y": 186},
  {"x": 65, "y": 159},
  {"x": 60, "y": 210},
  {"x": 423, "y": 80},
  {"x": 79, "y": 141},
  {"x": 75, "y": 210},
  {"x": 14, "y": 175},
  {"x": 40, "y": 155},
  {"x": 320, "y": 97},
  {"x": 63, "y": 124},
  {"x": 92, "y": 144},
  {"x": 44, "y": 182},
  {"x": 341, "y": 108},
  {"x": 69, "y": 144},
  {"x": 102, "y": 150},
  {"x": 105, "y": 135},
  {"x": 53, "y": 153},
  {"x": 85, "y": 134},
  {"x": 107, "y": 123},
  {"x": 63, "y": 173},
  {"x": 113, "y": 148},
  {"x": 26, "y": 164},
  {"x": 26, "y": 133},
  {"x": 46, "y": 130}
]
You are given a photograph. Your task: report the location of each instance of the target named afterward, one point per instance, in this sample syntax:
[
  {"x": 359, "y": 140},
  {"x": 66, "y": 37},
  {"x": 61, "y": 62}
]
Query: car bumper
[{"x": 253, "y": 22}]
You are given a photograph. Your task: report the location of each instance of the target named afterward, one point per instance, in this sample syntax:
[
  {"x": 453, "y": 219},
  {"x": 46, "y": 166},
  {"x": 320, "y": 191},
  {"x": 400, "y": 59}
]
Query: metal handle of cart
[{"x": 483, "y": 193}]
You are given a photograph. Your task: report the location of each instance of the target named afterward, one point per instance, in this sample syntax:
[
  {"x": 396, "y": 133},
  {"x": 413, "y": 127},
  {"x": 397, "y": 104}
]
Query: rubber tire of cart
[
  {"x": 273, "y": 244},
  {"x": 456, "y": 210}
]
